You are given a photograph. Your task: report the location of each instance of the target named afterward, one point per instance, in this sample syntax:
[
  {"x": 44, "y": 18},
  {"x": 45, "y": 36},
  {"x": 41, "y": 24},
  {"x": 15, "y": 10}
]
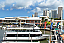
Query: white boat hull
[{"x": 21, "y": 42}]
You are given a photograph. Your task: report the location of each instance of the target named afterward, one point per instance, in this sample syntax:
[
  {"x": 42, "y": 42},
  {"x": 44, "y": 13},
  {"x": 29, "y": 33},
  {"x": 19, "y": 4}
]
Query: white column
[
  {"x": 25, "y": 21},
  {"x": 49, "y": 39},
  {"x": 29, "y": 35},
  {"x": 56, "y": 37},
  {"x": 34, "y": 22},
  {"x": 5, "y": 36},
  {"x": 31, "y": 39},
  {"x": 17, "y": 35},
  {"x": 20, "y": 23},
  {"x": 44, "y": 31}
]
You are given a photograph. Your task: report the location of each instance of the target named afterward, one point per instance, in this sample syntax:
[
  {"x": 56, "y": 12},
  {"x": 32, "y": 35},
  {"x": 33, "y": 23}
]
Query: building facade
[
  {"x": 16, "y": 20},
  {"x": 36, "y": 14},
  {"x": 50, "y": 15},
  {"x": 54, "y": 13},
  {"x": 46, "y": 13},
  {"x": 60, "y": 12}
]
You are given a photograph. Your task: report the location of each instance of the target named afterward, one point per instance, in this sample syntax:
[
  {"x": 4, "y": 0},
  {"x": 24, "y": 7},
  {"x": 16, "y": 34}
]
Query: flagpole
[
  {"x": 50, "y": 36},
  {"x": 45, "y": 27},
  {"x": 61, "y": 24},
  {"x": 50, "y": 31},
  {"x": 44, "y": 31}
]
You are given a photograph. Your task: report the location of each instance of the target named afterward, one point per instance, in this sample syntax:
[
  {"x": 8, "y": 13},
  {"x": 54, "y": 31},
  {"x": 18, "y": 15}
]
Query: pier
[{"x": 50, "y": 36}]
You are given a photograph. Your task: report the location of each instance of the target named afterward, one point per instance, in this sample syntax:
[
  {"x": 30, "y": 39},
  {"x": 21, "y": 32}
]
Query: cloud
[
  {"x": 19, "y": 4},
  {"x": 7, "y": 9},
  {"x": 3, "y": 9},
  {"x": 20, "y": 8},
  {"x": 26, "y": 4},
  {"x": 50, "y": 4},
  {"x": 11, "y": 8},
  {"x": 38, "y": 10},
  {"x": 13, "y": 4},
  {"x": 28, "y": 12}
]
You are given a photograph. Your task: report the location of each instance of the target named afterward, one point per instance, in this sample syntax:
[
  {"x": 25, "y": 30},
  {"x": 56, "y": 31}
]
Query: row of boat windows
[
  {"x": 24, "y": 30},
  {"x": 23, "y": 35},
  {"x": 22, "y": 41}
]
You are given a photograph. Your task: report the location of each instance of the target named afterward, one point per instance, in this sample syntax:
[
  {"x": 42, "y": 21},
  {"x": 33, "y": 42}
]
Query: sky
[{"x": 15, "y": 8}]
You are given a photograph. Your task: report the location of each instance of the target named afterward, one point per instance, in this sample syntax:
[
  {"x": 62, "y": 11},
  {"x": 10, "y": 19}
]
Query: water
[{"x": 2, "y": 32}]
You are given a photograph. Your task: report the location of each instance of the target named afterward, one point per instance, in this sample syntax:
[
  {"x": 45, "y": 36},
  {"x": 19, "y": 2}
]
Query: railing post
[{"x": 31, "y": 39}]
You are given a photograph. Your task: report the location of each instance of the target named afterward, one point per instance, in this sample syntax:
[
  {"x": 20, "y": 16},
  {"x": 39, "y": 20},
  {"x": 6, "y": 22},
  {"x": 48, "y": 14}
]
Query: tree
[
  {"x": 63, "y": 23},
  {"x": 38, "y": 25},
  {"x": 55, "y": 18},
  {"x": 43, "y": 19},
  {"x": 48, "y": 23},
  {"x": 51, "y": 18},
  {"x": 53, "y": 23}
]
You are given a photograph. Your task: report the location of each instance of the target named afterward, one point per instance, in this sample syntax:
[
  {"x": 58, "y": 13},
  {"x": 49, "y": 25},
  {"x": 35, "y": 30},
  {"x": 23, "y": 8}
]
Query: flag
[
  {"x": 62, "y": 35},
  {"x": 51, "y": 25},
  {"x": 45, "y": 25},
  {"x": 58, "y": 24}
]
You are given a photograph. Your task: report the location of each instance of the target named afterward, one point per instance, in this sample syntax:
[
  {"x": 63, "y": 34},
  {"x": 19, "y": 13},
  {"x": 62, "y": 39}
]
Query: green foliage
[
  {"x": 42, "y": 18},
  {"x": 43, "y": 21},
  {"x": 10, "y": 24},
  {"x": 48, "y": 23},
  {"x": 63, "y": 23},
  {"x": 51, "y": 18},
  {"x": 53, "y": 23},
  {"x": 38, "y": 25},
  {"x": 46, "y": 20},
  {"x": 3, "y": 23},
  {"x": 57, "y": 18}
]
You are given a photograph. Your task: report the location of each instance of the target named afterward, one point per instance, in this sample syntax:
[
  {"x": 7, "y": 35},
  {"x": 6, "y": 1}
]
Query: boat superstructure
[{"x": 18, "y": 33}]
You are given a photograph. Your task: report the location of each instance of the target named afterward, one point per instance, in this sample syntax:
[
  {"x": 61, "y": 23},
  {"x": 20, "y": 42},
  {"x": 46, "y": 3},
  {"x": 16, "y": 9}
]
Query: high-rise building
[
  {"x": 60, "y": 12},
  {"x": 32, "y": 15},
  {"x": 36, "y": 14},
  {"x": 50, "y": 15},
  {"x": 54, "y": 13},
  {"x": 46, "y": 13}
]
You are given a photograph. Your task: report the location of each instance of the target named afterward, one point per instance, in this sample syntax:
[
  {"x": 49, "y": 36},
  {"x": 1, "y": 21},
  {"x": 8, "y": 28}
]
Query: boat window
[
  {"x": 32, "y": 35},
  {"x": 23, "y": 30},
  {"x": 23, "y": 35},
  {"x": 27, "y": 30},
  {"x": 31, "y": 21},
  {"x": 31, "y": 30},
  {"x": 39, "y": 21},
  {"x": 11, "y": 35},
  {"x": 16, "y": 30},
  {"x": 19, "y": 30},
  {"x": 28, "y": 21},
  {"x": 35, "y": 21},
  {"x": 26, "y": 35},
  {"x": 38, "y": 35}
]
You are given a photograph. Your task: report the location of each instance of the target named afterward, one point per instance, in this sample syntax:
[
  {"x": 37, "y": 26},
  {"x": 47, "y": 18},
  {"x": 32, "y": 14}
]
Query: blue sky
[{"x": 15, "y": 8}]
